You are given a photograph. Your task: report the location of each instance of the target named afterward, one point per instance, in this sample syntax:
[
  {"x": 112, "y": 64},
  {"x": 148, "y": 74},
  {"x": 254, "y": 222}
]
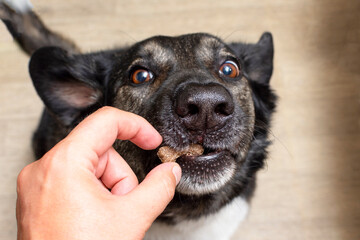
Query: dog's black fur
[{"x": 184, "y": 68}]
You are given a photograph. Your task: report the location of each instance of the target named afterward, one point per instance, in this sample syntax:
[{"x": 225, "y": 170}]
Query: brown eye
[
  {"x": 229, "y": 69},
  {"x": 141, "y": 76}
]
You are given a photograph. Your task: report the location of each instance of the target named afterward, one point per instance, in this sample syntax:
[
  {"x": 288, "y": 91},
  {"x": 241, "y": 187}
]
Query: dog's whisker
[
  {"x": 230, "y": 34},
  {"x": 133, "y": 39}
]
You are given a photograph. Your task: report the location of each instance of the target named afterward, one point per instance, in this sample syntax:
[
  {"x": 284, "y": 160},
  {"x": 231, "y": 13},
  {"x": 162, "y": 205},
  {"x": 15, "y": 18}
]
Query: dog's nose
[{"x": 204, "y": 107}]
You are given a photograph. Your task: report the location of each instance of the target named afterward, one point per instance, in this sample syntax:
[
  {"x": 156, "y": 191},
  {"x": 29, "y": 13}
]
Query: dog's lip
[
  {"x": 202, "y": 159},
  {"x": 205, "y": 156}
]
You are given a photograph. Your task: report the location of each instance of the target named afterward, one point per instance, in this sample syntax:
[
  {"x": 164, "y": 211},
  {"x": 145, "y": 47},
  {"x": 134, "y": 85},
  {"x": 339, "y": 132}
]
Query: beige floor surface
[{"x": 310, "y": 188}]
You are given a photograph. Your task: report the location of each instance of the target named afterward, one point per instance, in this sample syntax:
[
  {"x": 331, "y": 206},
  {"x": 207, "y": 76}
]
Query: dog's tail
[{"x": 27, "y": 28}]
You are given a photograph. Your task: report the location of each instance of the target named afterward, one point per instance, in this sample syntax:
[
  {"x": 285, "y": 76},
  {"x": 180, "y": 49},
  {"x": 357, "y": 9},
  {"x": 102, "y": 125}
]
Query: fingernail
[{"x": 177, "y": 173}]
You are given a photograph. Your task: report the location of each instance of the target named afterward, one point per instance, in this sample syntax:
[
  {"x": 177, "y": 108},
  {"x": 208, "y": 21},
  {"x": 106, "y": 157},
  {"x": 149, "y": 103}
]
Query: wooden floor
[{"x": 310, "y": 188}]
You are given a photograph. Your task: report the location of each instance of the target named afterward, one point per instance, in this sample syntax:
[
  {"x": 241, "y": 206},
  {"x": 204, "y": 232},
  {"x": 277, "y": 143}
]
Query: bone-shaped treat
[{"x": 168, "y": 154}]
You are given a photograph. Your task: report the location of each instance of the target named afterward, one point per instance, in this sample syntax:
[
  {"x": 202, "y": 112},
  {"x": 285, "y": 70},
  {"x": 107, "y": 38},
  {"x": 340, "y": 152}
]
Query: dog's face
[{"x": 194, "y": 89}]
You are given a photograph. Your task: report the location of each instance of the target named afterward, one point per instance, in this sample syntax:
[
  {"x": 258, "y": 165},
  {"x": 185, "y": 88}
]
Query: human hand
[{"x": 65, "y": 195}]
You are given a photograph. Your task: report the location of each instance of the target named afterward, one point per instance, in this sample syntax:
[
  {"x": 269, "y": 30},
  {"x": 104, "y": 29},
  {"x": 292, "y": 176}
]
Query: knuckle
[
  {"x": 54, "y": 161},
  {"x": 106, "y": 109},
  {"x": 21, "y": 178}
]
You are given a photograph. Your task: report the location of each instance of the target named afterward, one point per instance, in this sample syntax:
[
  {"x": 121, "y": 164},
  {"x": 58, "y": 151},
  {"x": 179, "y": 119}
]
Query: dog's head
[{"x": 194, "y": 89}]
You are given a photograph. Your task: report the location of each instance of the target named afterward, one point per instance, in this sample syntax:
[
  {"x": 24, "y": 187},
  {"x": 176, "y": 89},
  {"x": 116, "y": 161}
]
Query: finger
[
  {"x": 107, "y": 124},
  {"x": 156, "y": 191},
  {"x": 115, "y": 173},
  {"x": 97, "y": 133}
]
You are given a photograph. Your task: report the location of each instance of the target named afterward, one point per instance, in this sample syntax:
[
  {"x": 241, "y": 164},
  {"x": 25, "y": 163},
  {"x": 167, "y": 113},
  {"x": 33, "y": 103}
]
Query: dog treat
[{"x": 168, "y": 154}]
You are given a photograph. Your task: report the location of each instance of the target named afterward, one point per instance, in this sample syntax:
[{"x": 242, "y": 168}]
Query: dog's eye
[
  {"x": 230, "y": 69},
  {"x": 141, "y": 76}
]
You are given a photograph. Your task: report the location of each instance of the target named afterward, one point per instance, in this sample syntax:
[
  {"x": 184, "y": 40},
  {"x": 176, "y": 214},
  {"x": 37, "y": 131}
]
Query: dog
[{"x": 193, "y": 88}]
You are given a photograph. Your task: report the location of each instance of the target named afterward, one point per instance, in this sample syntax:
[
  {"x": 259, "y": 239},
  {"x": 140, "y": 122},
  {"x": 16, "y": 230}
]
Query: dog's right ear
[{"x": 67, "y": 84}]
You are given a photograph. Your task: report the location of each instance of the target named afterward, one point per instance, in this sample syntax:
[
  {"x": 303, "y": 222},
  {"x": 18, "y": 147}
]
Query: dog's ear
[
  {"x": 257, "y": 58},
  {"x": 67, "y": 84}
]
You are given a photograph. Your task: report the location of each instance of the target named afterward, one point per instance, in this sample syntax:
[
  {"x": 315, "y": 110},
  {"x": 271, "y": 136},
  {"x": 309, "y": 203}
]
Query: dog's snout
[{"x": 204, "y": 106}]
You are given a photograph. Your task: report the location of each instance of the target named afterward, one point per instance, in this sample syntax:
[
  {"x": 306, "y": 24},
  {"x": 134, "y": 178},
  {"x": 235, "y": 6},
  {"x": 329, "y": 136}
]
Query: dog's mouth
[
  {"x": 205, "y": 173},
  {"x": 200, "y": 161}
]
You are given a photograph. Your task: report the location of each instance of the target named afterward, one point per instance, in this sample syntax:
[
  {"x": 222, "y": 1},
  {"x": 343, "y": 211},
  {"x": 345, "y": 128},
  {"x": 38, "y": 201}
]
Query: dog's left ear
[
  {"x": 69, "y": 85},
  {"x": 257, "y": 58}
]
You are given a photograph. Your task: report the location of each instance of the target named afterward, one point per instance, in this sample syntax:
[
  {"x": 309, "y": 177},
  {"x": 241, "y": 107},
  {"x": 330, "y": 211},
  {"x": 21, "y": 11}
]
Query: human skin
[{"x": 65, "y": 194}]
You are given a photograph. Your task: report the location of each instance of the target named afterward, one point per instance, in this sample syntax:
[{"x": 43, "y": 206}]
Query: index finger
[{"x": 99, "y": 131}]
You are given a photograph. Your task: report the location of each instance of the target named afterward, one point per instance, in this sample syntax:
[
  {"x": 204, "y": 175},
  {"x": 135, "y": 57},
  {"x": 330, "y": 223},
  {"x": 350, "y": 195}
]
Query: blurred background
[{"x": 310, "y": 187}]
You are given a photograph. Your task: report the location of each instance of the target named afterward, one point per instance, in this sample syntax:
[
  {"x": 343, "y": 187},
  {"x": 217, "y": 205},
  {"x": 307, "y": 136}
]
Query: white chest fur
[{"x": 218, "y": 226}]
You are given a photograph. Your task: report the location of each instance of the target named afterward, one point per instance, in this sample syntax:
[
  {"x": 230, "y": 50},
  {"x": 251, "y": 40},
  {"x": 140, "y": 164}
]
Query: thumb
[{"x": 153, "y": 194}]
